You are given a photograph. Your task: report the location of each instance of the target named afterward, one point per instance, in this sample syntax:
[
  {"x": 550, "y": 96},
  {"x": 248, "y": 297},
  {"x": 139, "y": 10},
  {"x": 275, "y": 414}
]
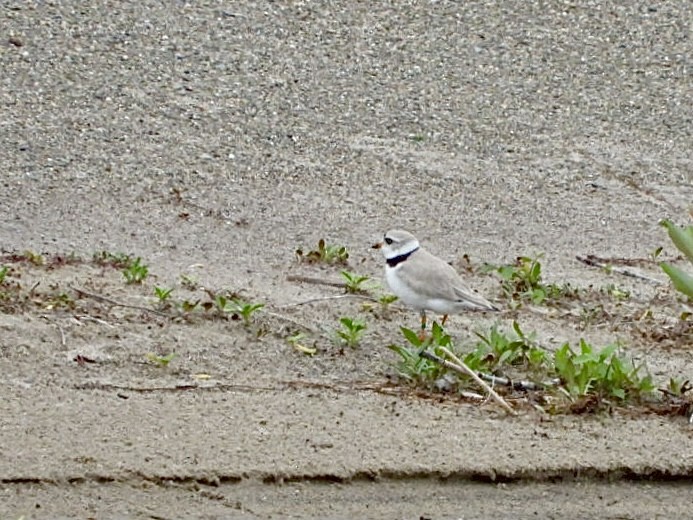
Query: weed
[
  {"x": 523, "y": 281},
  {"x": 354, "y": 282},
  {"x": 162, "y": 294},
  {"x": 497, "y": 349},
  {"x": 60, "y": 300},
  {"x": 411, "y": 365},
  {"x": 590, "y": 376},
  {"x": 654, "y": 255},
  {"x": 246, "y": 309},
  {"x": 386, "y": 300},
  {"x": 34, "y": 258},
  {"x": 296, "y": 341},
  {"x": 327, "y": 254},
  {"x": 677, "y": 387},
  {"x": 136, "y": 272},
  {"x": 189, "y": 282},
  {"x": 682, "y": 237},
  {"x": 603, "y": 373},
  {"x": 161, "y": 361},
  {"x": 116, "y": 260},
  {"x": 238, "y": 307},
  {"x": 3, "y": 273},
  {"x": 351, "y": 332},
  {"x": 189, "y": 306},
  {"x": 615, "y": 292}
]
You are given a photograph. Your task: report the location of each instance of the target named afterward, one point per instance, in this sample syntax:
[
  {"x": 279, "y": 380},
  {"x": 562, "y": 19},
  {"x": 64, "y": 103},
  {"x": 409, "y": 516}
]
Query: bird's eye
[{"x": 388, "y": 240}]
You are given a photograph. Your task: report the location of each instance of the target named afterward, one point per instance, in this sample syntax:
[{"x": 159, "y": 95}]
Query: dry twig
[
  {"x": 459, "y": 366},
  {"x": 109, "y": 301},
  {"x": 315, "y": 281},
  {"x": 325, "y": 298},
  {"x": 593, "y": 261}
]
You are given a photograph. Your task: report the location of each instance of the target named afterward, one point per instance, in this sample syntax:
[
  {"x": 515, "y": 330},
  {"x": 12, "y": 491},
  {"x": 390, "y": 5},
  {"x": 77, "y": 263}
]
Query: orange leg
[
  {"x": 422, "y": 334},
  {"x": 445, "y": 318}
]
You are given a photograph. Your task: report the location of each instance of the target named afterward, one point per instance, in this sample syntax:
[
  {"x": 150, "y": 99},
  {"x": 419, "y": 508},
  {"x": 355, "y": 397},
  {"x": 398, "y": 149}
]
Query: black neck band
[{"x": 392, "y": 262}]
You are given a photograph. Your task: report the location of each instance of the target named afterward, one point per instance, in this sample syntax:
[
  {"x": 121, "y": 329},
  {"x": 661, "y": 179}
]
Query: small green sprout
[
  {"x": 136, "y": 272},
  {"x": 189, "y": 282},
  {"x": 386, "y": 300},
  {"x": 238, "y": 307},
  {"x": 116, "y": 260},
  {"x": 3, "y": 273},
  {"x": 296, "y": 341},
  {"x": 189, "y": 306},
  {"x": 162, "y": 293},
  {"x": 34, "y": 258},
  {"x": 354, "y": 282},
  {"x": 654, "y": 255},
  {"x": 616, "y": 292},
  {"x": 246, "y": 309},
  {"x": 351, "y": 332},
  {"x": 328, "y": 254},
  {"x": 161, "y": 361},
  {"x": 677, "y": 387}
]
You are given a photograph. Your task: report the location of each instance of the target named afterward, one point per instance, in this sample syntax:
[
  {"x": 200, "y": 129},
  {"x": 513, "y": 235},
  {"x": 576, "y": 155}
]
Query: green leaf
[
  {"x": 411, "y": 336},
  {"x": 681, "y": 236},
  {"x": 619, "y": 392},
  {"x": 607, "y": 352},
  {"x": 683, "y": 282}
]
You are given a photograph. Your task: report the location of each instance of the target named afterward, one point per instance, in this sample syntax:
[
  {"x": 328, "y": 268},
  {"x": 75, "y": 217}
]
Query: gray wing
[{"x": 435, "y": 278}]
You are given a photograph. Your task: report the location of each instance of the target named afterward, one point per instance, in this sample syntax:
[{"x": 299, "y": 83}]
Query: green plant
[
  {"x": 682, "y": 237},
  {"x": 3, "y": 273},
  {"x": 589, "y": 378},
  {"x": 386, "y": 300},
  {"x": 615, "y": 292},
  {"x": 328, "y": 254},
  {"x": 59, "y": 300},
  {"x": 603, "y": 373},
  {"x": 34, "y": 258},
  {"x": 238, "y": 307},
  {"x": 497, "y": 349},
  {"x": 136, "y": 272},
  {"x": 523, "y": 281},
  {"x": 354, "y": 282},
  {"x": 296, "y": 341},
  {"x": 162, "y": 293},
  {"x": 677, "y": 387},
  {"x": 411, "y": 365},
  {"x": 590, "y": 314},
  {"x": 189, "y": 306},
  {"x": 351, "y": 331},
  {"x": 655, "y": 253},
  {"x": 161, "y": 361},
  {"x": 189, "y": 282},
  {"x": 117, "y": 260}
]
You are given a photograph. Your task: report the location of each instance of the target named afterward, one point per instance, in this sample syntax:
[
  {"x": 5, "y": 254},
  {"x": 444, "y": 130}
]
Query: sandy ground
[{"x": 215, "y": 139}]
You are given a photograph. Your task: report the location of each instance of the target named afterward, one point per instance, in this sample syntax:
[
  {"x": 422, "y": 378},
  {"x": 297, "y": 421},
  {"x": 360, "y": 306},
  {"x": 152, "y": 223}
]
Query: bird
[{"x": 425, "y": 282}]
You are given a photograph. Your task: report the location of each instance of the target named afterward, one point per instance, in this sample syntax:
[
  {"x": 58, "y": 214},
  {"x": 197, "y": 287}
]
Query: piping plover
[{"x": 424, "y": 281}]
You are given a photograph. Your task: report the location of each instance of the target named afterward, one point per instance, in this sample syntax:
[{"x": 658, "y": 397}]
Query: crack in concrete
[{"x": 548, "y": 475}]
